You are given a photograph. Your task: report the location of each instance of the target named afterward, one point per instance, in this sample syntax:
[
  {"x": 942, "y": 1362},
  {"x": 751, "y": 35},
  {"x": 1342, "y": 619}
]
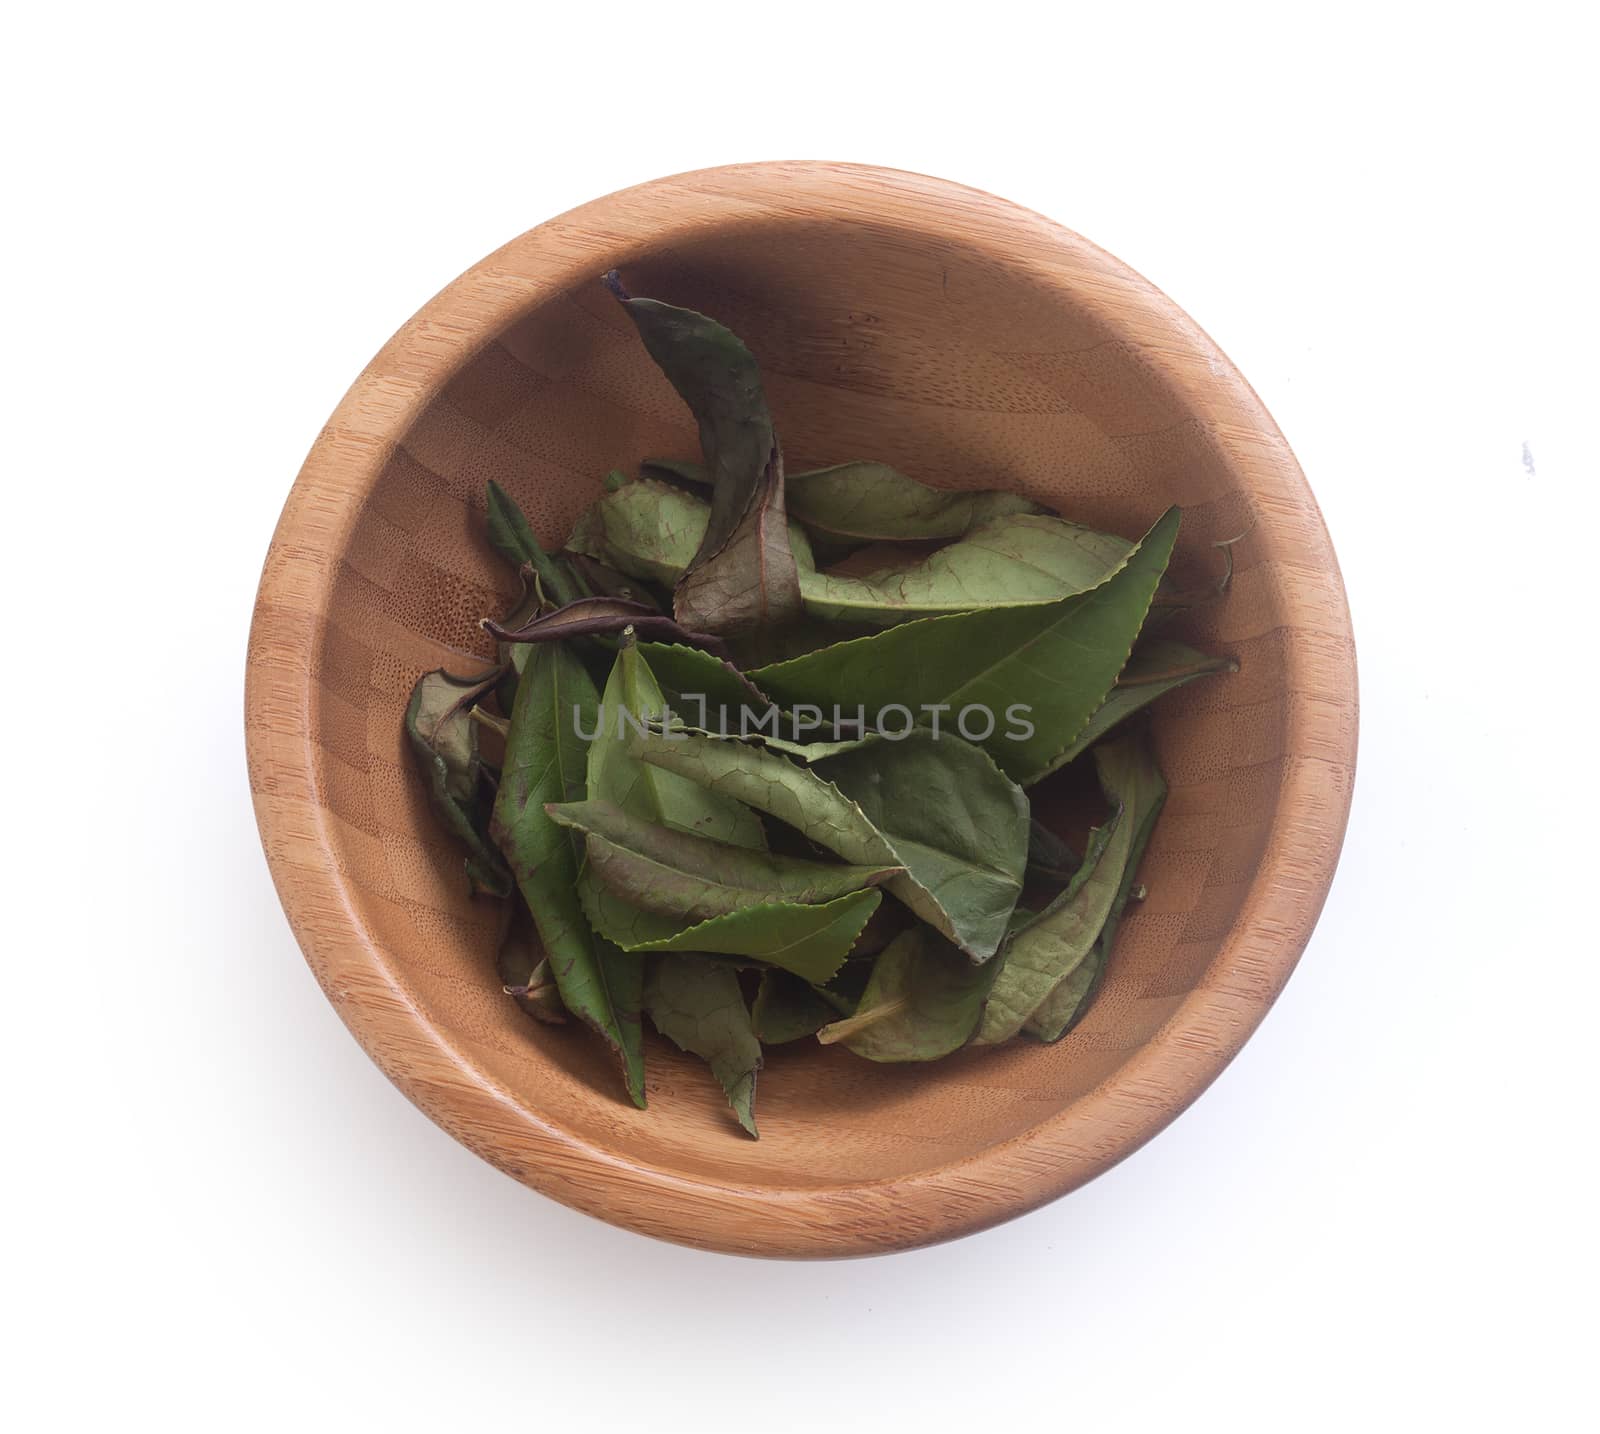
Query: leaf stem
[
  {"x": 494, "y": 724},
  {"x": 861, "y": 1021},
  {"x": 1171, "y": 674}
]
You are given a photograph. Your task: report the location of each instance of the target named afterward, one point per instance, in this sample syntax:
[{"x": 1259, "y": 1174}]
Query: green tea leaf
[
  {"x": 703, "y": 690},
  {"x": 624, "y": 973},
  {"x": 444, "y": 740},
  {"x": 810, "y": 940},
  {"x": 658, "y": 869},
  {"x": 546, "y": 757},
  {"x": 940, "y": 866},
  {"x": 718, "y": 377},
  {"x": 955, "y": 819},
  {"x": 1155, "y": 669},
  {"x": 871, "y": 502},
  {"x": 751, "y": 582},
  {"x": 922, "y": 1001},
  {"x": 1047, "y": 950},
  {"x": 1008, "y": 562},
  {"x": 1061, "y": 1010},
  {"x": 646, "y": 530},
  {"x": 512, "y": 537},
  {"x": 1037, "y": 672},
  {"x": 1128, "y": 767},
  {"x": 651, "y": 530},
  {"x": 887, "y": 922},
  {"x": 1050, "y": 949},
  {"x": 874, "y": 503},
  {"x": 697, "y": 1005},
  {"x": 632, "y": 698},
  {"x": 787, "y": 1009}
]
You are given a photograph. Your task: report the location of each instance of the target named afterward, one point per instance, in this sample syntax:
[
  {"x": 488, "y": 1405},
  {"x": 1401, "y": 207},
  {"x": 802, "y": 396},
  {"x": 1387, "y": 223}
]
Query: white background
[{"x": 219, "y": 1213}]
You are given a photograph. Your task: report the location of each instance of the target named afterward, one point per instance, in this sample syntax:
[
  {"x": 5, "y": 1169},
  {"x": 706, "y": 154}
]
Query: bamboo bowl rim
[{"x": 1063, "y": 1150}]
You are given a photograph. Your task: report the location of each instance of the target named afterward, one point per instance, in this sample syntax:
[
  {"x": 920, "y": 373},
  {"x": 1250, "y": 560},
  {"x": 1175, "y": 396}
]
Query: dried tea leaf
[
  {"x": 1046, "y": 953},
  {"x": 956, "y": 820},
  {"x": 697, "y": 1005},
  {"x": 632, "y": 698},
  {"x": 1008, "y": 562},
  {"x": 1039, "y": 672},
  {"x": 751, "y": 582},
  {"x": 594, "y": 616},
  {"x": 444, "y": 740},
  {"x": 1128, "y": 766},
  {"x": 676, "y": 874},
  {"x": 922, "y": 1001},
  {"x": 863, "y": 501},
  {"x": 525, "y": 973},
  {"x": 546, "y": 761},
  {"x": 650, "y": 530},
  {"x": 810, "y": 940},
  {"x": 647, "y": 530},
  {"x": 512, "y": 537},
  {"x": 719, "y": 379},
  {"x": 940, "y": 866},
  {"x": 1156, "y": 668},
  {"x": 704, "y": 691}
]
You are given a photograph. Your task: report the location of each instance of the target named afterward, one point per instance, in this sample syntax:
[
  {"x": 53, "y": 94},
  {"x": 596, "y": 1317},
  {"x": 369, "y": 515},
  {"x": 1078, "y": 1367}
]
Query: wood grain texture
[{"x": 965, "y": 341}]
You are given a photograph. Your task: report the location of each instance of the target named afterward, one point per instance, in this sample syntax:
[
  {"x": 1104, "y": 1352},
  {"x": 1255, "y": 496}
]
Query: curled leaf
[
  {"x": 719, "y": 379},
  {"x": 593, "y": 616},
  {"x": 650, "y": 530},
  {"x": 525, "y": 973},
  {"x": 1127, "y": 767},
  {"x": 1049, "y": 948},
  {"x": 871, "y": 502},
  {"x": 1047, "y": 954},
  {"x": 921, "y": 1002},
  {"x": 751, "y": 582},
  {"x": 956, "y": 820},
  {"x": 1007, "y": 562},
  {"x": 444, "y": 740}
]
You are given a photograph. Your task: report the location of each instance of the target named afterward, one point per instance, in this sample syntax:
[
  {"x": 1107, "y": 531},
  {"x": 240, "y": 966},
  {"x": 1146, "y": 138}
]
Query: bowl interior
[{"x": 875, "y": 342}]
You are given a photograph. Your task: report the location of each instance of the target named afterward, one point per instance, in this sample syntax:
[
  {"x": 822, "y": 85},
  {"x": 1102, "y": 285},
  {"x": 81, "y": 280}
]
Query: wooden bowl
[{"x": 968, "y": 342}]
